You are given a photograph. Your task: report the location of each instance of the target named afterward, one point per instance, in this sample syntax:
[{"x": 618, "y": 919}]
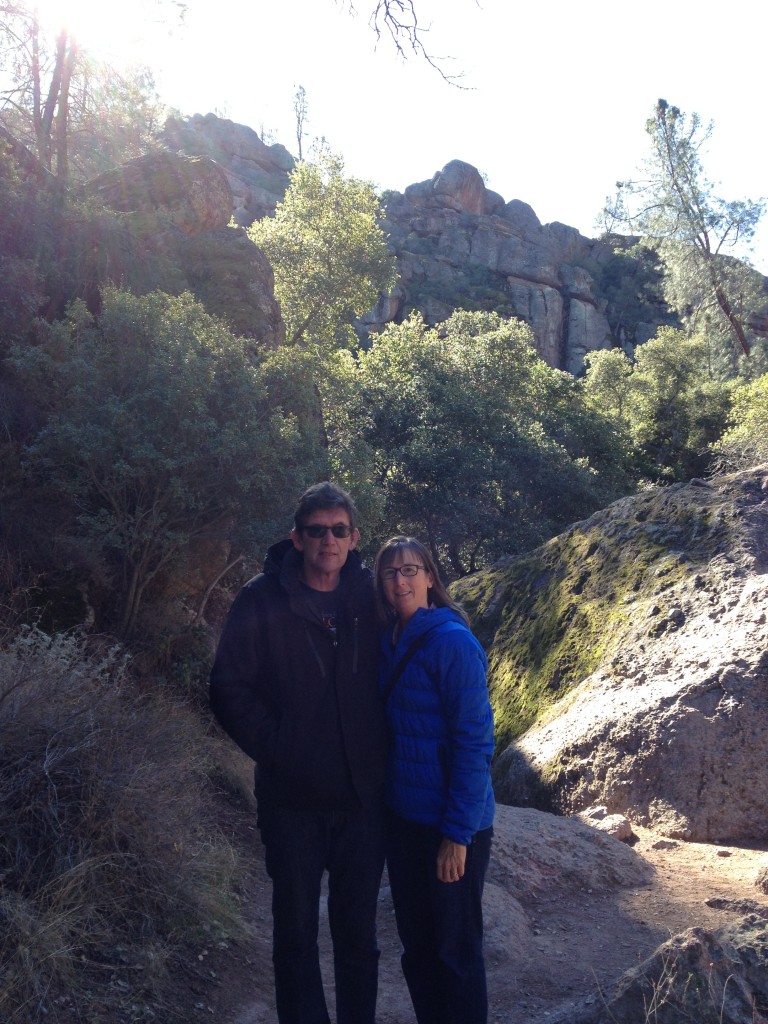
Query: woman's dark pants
[
  {"x": 300, "y": 846},
  {"x": 440, "y": 925}
]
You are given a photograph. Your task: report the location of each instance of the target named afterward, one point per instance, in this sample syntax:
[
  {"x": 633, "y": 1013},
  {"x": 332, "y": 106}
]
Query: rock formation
[
  {"x": 457, "y": 244},
  {"x": 629, "y": 661},
  {"x": 460, "y": 245},
  {"x": 697, "y": 976},
  {"x": 257, "y": 173},
  {"x": 191, "y": 193},
  {"x": 181, "y": 206}
]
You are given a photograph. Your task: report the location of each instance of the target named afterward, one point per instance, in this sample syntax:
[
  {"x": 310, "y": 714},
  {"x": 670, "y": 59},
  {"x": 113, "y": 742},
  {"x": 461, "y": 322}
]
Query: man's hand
[{"x": 451, "y": 858}]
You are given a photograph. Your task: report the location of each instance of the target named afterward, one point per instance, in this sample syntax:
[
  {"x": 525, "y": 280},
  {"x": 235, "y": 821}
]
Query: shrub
[
  {"x": 107, "y": 854},
  {"x": 745, "y": 443}
]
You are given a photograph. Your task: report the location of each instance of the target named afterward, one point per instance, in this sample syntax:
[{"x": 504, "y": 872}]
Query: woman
[{"x": 439, "y": 791}]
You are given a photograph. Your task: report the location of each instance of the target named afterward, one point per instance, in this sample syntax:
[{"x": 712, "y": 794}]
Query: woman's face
[{"x": 405, "y": 594}]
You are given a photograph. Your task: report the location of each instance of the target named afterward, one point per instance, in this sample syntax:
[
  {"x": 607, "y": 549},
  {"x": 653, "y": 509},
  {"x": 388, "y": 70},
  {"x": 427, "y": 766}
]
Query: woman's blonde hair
[{"x": 437, "y": 593}]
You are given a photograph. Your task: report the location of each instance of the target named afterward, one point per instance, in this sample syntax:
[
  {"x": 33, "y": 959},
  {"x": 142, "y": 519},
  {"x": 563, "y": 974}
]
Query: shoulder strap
[{"x": 399, "y": 668}]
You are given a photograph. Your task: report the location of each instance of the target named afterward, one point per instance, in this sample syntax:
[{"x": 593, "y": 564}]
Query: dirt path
[
  {"x": 545, "y": 954},
  {"x": 587, "y": 940}
]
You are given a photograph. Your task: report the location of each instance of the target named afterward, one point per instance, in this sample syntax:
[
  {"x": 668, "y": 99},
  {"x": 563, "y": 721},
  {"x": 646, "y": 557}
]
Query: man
[{"x": 294, "y": 684}]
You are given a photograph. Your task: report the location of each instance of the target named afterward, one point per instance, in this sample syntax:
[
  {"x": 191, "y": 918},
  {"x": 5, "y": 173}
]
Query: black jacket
[{"x": 305, "y": 708}]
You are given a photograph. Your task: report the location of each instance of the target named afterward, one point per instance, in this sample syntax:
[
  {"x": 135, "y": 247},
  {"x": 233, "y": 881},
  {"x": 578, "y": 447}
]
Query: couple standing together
[{"x": 363, "y": 699}]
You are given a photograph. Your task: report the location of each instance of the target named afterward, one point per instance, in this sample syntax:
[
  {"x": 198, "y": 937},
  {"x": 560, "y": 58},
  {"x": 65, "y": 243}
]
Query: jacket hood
[
  {"x": 277, "y": 554},
  {"x": 424, "y": 620}
]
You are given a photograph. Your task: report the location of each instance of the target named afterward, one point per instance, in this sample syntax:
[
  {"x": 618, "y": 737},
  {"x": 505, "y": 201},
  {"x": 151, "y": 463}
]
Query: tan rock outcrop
[
  {"x": 182, "y": 206},
  {"x": 257, "y": 173}
]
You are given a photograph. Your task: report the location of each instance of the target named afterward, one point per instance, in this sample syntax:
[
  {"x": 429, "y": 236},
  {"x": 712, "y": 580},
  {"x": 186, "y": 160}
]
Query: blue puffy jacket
[{"x": 441, "y": 727}]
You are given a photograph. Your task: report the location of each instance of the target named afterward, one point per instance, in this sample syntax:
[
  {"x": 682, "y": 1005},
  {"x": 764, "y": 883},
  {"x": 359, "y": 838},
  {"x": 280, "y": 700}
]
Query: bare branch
[{"x": 398, "y": 19}]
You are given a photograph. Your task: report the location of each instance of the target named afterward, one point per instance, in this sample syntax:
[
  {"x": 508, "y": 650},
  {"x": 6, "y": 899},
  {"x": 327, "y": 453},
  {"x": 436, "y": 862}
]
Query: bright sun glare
[{"x": 108, "y": 31}]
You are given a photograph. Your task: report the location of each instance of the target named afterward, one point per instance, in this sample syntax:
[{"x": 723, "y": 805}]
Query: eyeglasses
[
  {"x": 404, "y": 570},
  {"x": 316, "y": 530}
]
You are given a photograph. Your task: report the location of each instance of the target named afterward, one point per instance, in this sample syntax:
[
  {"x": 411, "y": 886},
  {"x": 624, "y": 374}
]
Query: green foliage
[
  {"x": 668, "y": 402},
  {"x": 745, "y": 442},
  {"x": 55, "y": 248},
  {"x": 157, "y": 432},
  {"x": 108, "y": 852},
  {"x": 696, "y": 233},
  {"x": 609, "y": 381},
  {"x": 477, "y": 445},
  {"x": 631, "y": 283},
  {"x": 346, "y": 419},
  {"x": 328, "y": 252},
  {"x": 677, "y": 407}
]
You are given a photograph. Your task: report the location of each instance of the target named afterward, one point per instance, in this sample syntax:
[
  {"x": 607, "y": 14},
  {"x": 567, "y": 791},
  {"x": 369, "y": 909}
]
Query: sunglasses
[{"x": 316, "y": 531}]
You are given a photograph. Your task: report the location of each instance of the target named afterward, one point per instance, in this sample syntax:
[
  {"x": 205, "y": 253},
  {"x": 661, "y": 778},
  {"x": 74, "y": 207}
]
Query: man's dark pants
[
  {"x": 440, "y": 924},
  {"x": 300, "y": 846}
]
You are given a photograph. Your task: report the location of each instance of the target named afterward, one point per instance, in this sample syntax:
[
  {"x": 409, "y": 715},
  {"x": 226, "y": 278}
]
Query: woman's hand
[{"x": 451, "y": 858}]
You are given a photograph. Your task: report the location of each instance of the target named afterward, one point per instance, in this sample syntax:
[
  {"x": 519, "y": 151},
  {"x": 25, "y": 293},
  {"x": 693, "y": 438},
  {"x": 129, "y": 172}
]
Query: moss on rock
[{"x": 552, "y": 617}]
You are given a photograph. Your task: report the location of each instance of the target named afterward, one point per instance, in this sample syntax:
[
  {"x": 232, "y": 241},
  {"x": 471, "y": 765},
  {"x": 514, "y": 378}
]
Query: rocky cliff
[
  {"x": 457, "y": 244},
  {"x": 257, "y": 173},
  {"x": 181, "y": 207}
]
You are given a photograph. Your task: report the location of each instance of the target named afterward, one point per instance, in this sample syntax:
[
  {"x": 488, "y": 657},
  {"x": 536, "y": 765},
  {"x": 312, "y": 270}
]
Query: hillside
[{"x": 458, "y": 245}]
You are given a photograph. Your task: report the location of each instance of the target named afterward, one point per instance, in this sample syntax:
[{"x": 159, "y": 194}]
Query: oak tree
[
  {"x": 328, "y": 252},
  {"x": 156, "y": 431},
  {"x": 475, "y": 443}
]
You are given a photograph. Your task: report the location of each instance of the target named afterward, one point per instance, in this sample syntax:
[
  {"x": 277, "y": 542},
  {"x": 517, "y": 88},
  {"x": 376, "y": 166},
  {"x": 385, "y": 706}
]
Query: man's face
[{"x": 324, "y": 556}]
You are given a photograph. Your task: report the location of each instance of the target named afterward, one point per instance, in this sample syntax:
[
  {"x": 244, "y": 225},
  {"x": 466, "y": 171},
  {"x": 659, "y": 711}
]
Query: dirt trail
[{"x": 545, "y": 955}]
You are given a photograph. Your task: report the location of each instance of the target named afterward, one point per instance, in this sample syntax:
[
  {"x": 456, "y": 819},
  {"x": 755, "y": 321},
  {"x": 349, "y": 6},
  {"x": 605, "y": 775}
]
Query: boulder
[
  {"x": 258, "y": 173},
  {"x": 534, "y": 856},
  {"x": 460, "y": 186},
  {"x": 534, "y": 853},
  {"x": 700, "y": 976},
  {"x": 234, "y": 280},
  {"x": 190, "y": 193},
  {"x": 641, "y": 636}
]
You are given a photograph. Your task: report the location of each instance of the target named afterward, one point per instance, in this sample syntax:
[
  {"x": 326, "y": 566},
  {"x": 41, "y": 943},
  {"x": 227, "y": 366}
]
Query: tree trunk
[
  {"x": 62, "y": 117},
  {"x": 209, "y": 589},
  {"x": 45, "y": 129},
  {"x": 734, "y": 321}
]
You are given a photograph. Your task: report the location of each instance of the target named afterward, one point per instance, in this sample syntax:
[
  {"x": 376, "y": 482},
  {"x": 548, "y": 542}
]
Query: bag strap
[{"x": 398, "y": 670}]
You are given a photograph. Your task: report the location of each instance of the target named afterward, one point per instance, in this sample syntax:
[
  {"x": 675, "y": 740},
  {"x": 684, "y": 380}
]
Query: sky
[{"x": 550, "y": 105}]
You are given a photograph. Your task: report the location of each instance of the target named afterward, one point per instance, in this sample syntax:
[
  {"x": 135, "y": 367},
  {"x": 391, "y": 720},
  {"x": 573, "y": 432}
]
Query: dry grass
[{"x": 107, "y": 854}]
